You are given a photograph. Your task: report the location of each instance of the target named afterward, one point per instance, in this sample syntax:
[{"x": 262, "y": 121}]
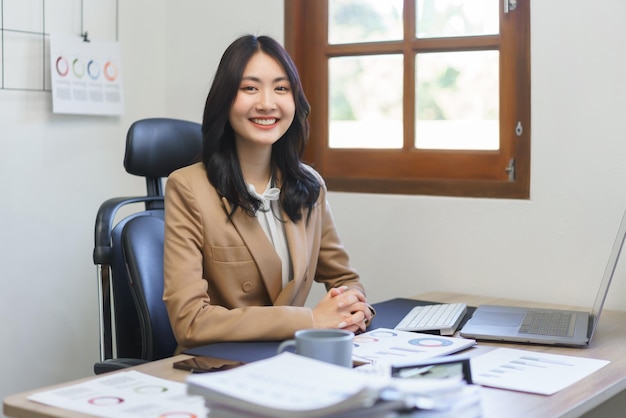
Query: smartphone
[{"x": 201, "y": 364}]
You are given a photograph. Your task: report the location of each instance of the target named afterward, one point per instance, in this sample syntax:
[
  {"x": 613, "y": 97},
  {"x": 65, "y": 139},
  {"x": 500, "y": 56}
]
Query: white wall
[{"x": 56, "y": 170}]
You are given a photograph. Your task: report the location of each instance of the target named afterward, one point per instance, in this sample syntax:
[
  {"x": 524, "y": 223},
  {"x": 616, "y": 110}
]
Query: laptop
[{"x": 544, "y": 326}]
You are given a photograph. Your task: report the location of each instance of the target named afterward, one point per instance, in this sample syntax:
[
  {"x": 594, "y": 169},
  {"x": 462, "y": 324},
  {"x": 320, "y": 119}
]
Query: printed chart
[
  {"x": 86, "y": 76},
  {"x": 125, "y": 395},
  {"x": 400, "y": 348},
  {"x": 532, "y": 372}
]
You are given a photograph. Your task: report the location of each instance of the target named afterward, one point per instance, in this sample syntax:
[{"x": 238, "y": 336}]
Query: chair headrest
[{"x": 157, "y": 146}]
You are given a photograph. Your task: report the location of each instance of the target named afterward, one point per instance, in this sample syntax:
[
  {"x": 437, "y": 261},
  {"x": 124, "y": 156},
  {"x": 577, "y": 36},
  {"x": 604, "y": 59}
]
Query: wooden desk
[{"x": 574, "y": 401}]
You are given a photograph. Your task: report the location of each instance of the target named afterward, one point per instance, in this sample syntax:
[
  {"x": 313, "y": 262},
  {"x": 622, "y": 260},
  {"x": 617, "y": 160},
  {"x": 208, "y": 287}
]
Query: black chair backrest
[
  {"x": 127, "y": 326},
  {"x": 154, "y": 148},
  {"x": 142, "y": 241},
  {"x": 157, "y": 146}
]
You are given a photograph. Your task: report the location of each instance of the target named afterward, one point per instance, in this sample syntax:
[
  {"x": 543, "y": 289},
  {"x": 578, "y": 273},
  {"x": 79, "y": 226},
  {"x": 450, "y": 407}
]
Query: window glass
[
  {"x": 445, "y": 18},
  {"x": 365, "y": 101},
  {"x": 431, "y": 99},
  {"x": 457, "y": 100},
  {"x": 351, "y": 21}
]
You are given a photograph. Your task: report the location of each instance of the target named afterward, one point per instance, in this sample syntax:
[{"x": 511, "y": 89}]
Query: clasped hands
[{"x": 344, "y": 308}]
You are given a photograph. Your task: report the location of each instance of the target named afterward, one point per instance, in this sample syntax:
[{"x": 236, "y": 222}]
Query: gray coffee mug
[{"x": 329, "y": 345}]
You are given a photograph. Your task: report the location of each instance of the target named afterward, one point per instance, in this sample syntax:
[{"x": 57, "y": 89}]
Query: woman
[{"x": 248, "y": 229}]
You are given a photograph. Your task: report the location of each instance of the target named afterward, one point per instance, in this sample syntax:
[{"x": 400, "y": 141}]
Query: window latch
[
  {"x": 509, "y": 5},
  {"x": 510, "y": 169}
]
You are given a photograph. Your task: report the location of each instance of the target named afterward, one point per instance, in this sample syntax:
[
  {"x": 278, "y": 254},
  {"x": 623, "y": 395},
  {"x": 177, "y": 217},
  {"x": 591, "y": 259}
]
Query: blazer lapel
[
  {"x": 296, "y": 241},
  {"x": 263, "y": 253}
]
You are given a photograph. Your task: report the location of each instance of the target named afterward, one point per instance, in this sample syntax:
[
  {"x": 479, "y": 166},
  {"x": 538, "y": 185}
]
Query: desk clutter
[
  {"x": 288, "y": 385},
  {"x": 397, "y": 374},
  {"x": 397, "y": 371}
]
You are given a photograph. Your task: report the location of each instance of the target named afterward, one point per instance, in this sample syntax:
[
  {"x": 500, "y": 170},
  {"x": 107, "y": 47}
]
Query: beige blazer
[{"x": 223, "y": 277}]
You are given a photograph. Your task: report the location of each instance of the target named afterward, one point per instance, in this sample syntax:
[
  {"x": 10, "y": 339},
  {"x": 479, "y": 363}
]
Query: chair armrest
[{"x": 113, "y": 364}]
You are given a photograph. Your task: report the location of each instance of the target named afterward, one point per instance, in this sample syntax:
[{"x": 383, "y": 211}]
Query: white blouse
[{"x": 269, "y": 216}]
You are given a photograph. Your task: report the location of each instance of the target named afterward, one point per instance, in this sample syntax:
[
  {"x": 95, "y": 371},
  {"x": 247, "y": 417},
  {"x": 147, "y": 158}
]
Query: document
[
  {"x": 530, "y": 371},
  {"x": 399, "y": 348},
  {"x": 125, "y": 395},
  {"x": 288, "y": 385}
]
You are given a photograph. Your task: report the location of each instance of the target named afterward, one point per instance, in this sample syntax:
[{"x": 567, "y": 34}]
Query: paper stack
[
  {"x": 289, "y": 385},
  {"x": 286, "y": 385}
]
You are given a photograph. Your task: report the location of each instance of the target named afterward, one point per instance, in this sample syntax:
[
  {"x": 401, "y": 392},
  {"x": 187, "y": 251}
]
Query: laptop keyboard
[
  {"x": 443, "y": 317},
  {"x": 558, "y": 324}
]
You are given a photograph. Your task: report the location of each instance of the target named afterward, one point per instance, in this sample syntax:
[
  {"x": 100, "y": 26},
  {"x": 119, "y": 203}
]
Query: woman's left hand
[{"x": 354, "y": 303}]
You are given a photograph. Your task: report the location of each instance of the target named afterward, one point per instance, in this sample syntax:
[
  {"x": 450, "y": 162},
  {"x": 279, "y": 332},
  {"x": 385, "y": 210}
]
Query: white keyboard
[{"x": 444, "y": 318}]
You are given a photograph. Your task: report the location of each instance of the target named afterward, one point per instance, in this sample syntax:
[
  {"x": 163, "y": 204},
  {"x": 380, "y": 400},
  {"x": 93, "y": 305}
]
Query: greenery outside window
[{"x": 416, "y": 96}]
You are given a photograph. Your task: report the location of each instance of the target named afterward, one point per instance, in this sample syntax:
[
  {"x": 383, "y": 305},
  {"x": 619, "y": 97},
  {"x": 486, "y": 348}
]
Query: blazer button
[{"x": 246, "y": 286}]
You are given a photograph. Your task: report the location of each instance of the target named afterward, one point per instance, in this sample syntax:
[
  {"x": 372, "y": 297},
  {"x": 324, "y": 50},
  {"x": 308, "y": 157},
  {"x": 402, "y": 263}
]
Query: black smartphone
[{"x": 201, "y": 364}]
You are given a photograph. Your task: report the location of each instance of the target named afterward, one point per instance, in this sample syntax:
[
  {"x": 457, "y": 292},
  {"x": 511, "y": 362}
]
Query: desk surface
[{"x": 573, "y": 401}]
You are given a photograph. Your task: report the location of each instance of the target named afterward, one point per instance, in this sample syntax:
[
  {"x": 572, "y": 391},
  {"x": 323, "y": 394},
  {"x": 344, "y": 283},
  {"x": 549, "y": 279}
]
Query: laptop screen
[{"x": 608, "y": 276}]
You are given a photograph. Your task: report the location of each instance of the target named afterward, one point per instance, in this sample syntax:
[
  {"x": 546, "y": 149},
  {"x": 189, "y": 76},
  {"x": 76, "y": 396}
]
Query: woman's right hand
[{"x": 344, "y": 308}]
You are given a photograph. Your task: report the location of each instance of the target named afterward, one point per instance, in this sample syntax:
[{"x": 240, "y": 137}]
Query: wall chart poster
[{"x": 86, "y": 76}]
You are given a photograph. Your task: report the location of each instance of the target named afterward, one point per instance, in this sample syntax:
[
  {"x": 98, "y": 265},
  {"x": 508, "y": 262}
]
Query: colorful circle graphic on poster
[
  {"x": 62, "y": 66},
  {"x": 93, "y": 70},
  {"x": 110, "y": 71},
  {"x": 78, "y": 68},
  {"x": 430, "y": 342}
]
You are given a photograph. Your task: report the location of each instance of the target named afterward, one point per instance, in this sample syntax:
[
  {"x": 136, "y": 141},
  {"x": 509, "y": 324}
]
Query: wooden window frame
[{"x": 409, "y": 170}]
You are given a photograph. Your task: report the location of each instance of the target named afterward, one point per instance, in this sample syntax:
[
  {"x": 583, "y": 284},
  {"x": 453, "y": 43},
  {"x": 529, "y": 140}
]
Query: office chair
[
  {"x": 154, "y": 148},
  {"x": 142, "y": 245}
]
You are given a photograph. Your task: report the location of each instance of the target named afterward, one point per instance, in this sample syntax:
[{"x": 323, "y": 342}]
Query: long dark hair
[{"x": 300, "y": 187}]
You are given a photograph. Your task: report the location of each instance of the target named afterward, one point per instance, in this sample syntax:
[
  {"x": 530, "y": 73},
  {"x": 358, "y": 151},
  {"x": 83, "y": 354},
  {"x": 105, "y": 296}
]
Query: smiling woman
[
  {"x": 248, "y": 229},
  {"x": 263, "y": 110}
]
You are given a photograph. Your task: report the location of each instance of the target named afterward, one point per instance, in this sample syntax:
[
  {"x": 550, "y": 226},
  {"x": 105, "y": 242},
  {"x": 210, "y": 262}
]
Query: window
[{"x": 416, "y": 96}]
